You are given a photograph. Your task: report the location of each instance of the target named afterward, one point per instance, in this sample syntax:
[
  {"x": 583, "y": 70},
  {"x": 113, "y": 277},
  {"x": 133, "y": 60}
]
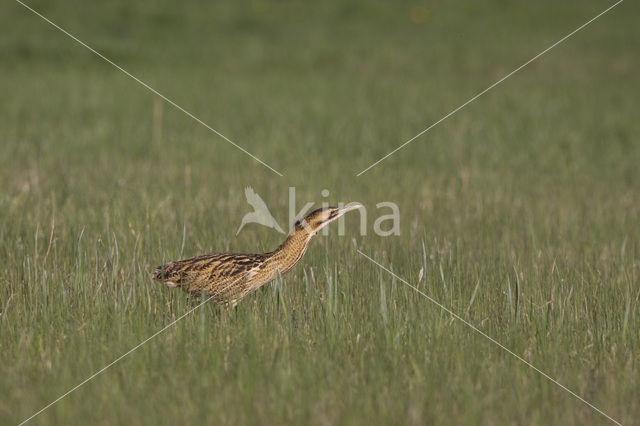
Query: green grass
[{"x": 529, "y": 198}]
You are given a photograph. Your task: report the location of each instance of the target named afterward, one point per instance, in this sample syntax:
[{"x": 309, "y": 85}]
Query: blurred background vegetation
[{"x": 522, "y": 210}]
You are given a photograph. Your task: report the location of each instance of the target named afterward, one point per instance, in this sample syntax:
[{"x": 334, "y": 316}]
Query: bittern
[{"x": 228, "y": 277}]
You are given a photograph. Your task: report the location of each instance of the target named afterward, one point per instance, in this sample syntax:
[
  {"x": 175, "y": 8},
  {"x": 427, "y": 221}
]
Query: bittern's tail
[{"x": 166, "y": 274}]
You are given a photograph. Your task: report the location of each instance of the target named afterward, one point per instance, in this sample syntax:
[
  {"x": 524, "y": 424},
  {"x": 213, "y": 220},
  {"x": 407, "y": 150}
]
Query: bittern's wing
[{"x": 219, "y": 274}]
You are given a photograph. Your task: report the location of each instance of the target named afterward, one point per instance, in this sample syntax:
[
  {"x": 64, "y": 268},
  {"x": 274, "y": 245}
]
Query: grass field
[{"x": 523, "y": 209}]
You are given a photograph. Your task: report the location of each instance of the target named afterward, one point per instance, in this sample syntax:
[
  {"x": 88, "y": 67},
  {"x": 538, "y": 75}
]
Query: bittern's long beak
[
  {"x": 335, "y": 214},
  {"x": 347, "y": 208}
]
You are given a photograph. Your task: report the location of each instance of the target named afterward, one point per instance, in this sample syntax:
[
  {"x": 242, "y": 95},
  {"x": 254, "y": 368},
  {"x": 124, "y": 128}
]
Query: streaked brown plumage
[{"x": 228, "y": 277}]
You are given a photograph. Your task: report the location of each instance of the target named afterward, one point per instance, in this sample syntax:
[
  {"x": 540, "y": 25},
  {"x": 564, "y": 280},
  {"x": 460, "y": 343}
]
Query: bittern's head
[{"x": 318, "y": 219}]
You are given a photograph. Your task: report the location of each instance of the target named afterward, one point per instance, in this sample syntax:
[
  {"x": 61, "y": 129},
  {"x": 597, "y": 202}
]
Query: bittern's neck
[{"x": 291, "y": 250}]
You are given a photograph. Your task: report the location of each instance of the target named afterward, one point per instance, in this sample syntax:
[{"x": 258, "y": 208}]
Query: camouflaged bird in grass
[{"x": 228, "y": 277}]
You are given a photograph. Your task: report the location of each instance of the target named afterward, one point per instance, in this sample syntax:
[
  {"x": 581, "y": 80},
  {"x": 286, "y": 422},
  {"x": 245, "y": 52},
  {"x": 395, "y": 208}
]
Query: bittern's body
[{"x": 228, "y": 277}]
